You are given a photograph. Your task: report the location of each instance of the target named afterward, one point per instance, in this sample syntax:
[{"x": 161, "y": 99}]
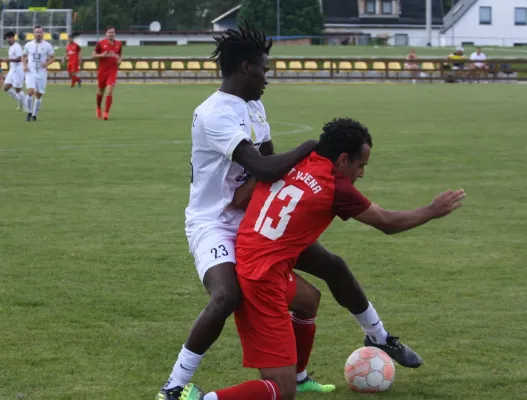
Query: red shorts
[
  {"x": 73, "y": 67},
  {"x": 107, "y": 78},
  {"x": 263, "y": 320}
]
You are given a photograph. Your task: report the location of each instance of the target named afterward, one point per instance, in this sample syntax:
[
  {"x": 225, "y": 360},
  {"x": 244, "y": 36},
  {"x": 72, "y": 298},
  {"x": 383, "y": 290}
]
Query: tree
[
  {"x": 55, "y": 4},
  {"x": 297, "y": 17}
]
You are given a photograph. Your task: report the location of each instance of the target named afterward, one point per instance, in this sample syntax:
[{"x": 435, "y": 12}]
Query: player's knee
[
  {"x": 223, "y": 302},
  {"x": 338, "y": 269},
  {"x": 310, "y": 307}
]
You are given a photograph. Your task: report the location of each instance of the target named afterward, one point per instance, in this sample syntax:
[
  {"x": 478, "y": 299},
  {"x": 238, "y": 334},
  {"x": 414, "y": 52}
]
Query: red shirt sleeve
[
  {"x": 348, "y": 202},
  {"x": 98, "y": 48},
  {"x": 78, "y": 49}
]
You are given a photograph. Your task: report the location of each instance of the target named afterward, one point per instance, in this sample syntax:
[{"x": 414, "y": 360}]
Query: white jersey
[
  {"x": 15, "y": 51},
  {"x": 220, "y": 123},
  {"x": 478, "y": 57},
  {"x": 38, "y": 54}
]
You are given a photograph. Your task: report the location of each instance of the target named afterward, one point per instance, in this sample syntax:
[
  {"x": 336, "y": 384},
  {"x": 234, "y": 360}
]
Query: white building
[{"x": 486, "y": 23}]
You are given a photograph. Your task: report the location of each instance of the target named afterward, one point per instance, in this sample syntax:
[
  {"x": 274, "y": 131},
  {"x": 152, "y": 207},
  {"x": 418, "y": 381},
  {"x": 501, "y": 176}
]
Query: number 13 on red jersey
[{"x": 264, "y": 223}]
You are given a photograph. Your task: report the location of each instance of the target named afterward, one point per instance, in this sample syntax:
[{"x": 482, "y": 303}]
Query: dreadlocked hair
[
  {"x": 343, "y": 135},
  {"x": 234, "y": 47}
]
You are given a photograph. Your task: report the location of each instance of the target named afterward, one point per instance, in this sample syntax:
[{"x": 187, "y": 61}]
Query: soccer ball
[{"x": 369, "y": 369}]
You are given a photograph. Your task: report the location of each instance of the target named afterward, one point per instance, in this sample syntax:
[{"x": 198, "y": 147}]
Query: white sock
[
  {"x": 186, "y": 365},
  {"x": 301, "y": 376},
  {"x": 211, "y": 396},
  {"x": 36, "y": 106},
  {"x": 12, "y": 92},
  {"x": 29, "y": 103},
  {"x": 21, "y": 98},
  {"x": 372, "y": 325}
]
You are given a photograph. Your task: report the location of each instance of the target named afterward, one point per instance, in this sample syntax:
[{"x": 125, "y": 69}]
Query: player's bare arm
[
  {"x": 243, "y": 194},
  {"x": 18, "y": 59},
  {"x": 273, "y": 167},
  {"x": 391, "y": 222},
  {"x": 50, "y": 60},
  {"x": 267, "y": 148},
  {"x": 24, "y": 62}
]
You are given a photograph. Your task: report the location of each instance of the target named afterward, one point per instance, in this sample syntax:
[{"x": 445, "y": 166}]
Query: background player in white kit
[
  {"x": 37, "y": 56},
  {"x": 14, "y": 80}
]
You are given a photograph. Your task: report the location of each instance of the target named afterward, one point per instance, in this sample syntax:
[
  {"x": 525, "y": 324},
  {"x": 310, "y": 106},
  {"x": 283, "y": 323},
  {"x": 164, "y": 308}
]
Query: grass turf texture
[
  {"x": 305, "y": 51},
  {"x": 98, "y": 290}
]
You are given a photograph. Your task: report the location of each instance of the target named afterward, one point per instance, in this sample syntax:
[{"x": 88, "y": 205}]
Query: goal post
[{"x": 55, "y": 22}]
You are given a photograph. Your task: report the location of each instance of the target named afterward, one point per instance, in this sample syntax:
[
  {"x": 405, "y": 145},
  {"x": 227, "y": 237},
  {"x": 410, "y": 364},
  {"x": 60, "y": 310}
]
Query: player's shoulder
[
  {"x": 221, "y": 104},
  {"x": 257, "y": 105}
]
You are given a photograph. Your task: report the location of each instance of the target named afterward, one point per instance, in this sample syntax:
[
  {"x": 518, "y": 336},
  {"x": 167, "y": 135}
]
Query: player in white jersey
[
  {"x": 14, "y": 80},
  {"x": 225, "y": 164},
  {"x": 37, "y": 56}
]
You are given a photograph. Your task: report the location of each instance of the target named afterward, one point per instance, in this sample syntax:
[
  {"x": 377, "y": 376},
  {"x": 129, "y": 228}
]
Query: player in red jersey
[
  {"x": 109, "y": 52},
  {"x": 283, "y": 219},
  {"x": 73, "y": 56}
]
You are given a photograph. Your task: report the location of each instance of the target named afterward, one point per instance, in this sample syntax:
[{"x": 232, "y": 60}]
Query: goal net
[{"x": 56, "y": 24}]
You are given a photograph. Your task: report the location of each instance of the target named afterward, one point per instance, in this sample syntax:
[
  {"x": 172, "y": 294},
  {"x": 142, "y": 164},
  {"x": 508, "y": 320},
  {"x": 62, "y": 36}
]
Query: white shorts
[
  {"x": 15, "y": 78},
  {"x": 213, "y": 246},
  {"x": 36, "y": 82}
]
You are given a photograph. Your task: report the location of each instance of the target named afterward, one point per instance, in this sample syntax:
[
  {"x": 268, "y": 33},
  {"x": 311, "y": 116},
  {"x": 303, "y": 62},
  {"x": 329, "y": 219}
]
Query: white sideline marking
[{"x": 297, "y": 128}]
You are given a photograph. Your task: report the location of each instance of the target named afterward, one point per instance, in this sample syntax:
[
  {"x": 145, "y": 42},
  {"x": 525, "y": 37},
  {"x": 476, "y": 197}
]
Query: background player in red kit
[
  {"x": 108, "y": 51},
  {"x": 282, "y": 220},
  {"x": 73, "y": 56}
]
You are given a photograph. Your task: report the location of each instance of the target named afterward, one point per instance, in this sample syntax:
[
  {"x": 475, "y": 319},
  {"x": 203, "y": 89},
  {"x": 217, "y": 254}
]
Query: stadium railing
[{"x": 185, "y": 69}]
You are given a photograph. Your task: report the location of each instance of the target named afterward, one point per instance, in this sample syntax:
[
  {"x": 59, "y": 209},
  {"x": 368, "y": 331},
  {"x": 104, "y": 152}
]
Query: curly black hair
[
  {"x": 9, "y": 34},
  {"x": 343, "y": 135},
  {"x": 234, "y": 47}
]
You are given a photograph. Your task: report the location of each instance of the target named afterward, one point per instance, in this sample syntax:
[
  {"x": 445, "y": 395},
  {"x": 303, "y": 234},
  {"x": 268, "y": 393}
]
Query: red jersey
[
  {"x": 286, "y": 217},
  {"x": 73, "y": 50},
  {"x": 108, "y": 63}
]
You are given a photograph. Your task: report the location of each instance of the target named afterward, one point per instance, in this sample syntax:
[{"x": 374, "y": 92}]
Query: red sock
[
  {"x": 108, "y": 103},
  {"x": 305, "y": 337},
  {"x": 254, "y": 390},
  {"x": 99, "y": 100},
  {"x": 73, "y": 80}
]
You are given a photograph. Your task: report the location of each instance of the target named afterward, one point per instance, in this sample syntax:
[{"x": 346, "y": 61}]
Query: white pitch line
[{"x": 299, "y": 128}]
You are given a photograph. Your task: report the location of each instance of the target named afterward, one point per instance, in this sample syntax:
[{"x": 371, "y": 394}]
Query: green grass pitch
[
  {"x": 305, "y": 51},
  {"x": 98, "y": 290}
]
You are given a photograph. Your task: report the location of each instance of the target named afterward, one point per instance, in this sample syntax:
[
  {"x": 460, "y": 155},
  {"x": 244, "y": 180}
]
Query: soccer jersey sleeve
[
  {"x": 98, "y": 48},
  {"x": 26, "y": 49},
  {"x": 223, "y": 132},
  {"x": 50, "y": 52},
  {"x": 261, "y": 108},
  {"x": 17, "y": 51},
  {"x": 348, "y": 202}
]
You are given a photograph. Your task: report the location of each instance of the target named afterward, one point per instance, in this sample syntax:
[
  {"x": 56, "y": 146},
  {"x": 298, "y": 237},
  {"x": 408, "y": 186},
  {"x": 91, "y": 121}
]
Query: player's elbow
[{"x": 388, "y": 229}]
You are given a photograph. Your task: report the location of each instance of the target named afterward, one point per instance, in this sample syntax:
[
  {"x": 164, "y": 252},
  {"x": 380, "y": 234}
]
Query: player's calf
[{"x": 222, "y": 284}]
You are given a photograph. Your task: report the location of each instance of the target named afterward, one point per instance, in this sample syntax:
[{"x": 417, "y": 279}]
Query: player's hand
[{"x": 447, "y": 202}]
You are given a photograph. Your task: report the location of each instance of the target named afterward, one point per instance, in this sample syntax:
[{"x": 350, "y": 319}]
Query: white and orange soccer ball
[{"x": 369, "y": 369}]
